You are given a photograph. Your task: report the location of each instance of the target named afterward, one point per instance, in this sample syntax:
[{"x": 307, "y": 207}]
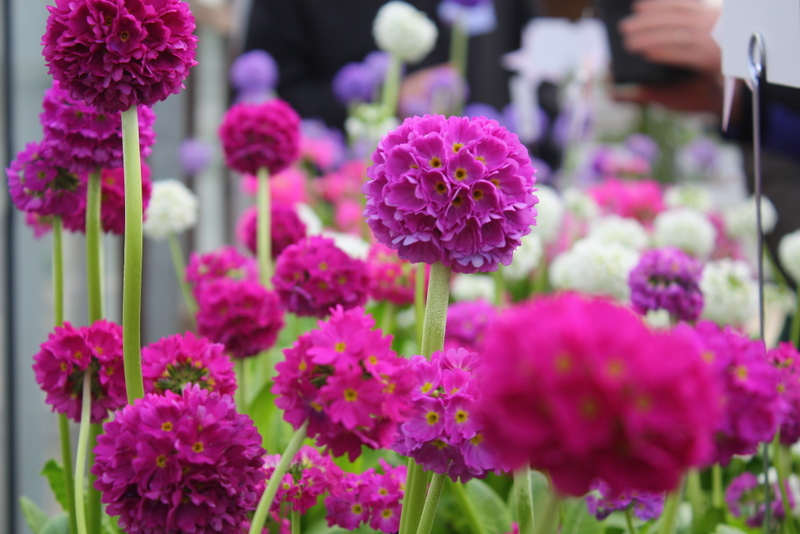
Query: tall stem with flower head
[
  {"x": 83, "y": 445},
  {"x": 670, "y": 516},
  {"x": 523, "y": 499},
  {"x": 132, "y": 266},
  {"x": 263, "y": 234},
  {"x": 391, "y": 84}
]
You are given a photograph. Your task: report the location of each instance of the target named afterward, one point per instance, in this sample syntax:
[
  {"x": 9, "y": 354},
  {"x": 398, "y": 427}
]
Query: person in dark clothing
[{"x": 312, "y": 39}]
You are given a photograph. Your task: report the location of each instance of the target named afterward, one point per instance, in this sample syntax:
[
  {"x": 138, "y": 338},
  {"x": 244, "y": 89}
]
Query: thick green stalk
[
  {"x": 83, "y": 445},
  {"x": 436, "y": 309},
  {"x": 465, "y": 504},
  {"x": 69, "y": 481},
  {"x": 94, "y": 232},
  {"x": 431, "y": 503},
  {"x": 132, "y": 266},
  {"x": 523, "y": 499},
  {"x": 717, "y": 491},
  {"x": 459, "y": 47},
  {"x": 629, "y": 520},
  {"x": 391, "y": 84},
  {"x": 552, "y": 514},
  {"x": 58, "y": 272},
  {"x": 296, "y": 522},
  {"x": 796, "y": 323},
  {"x": 268, "y": 496},
  {"x": 180, "y": 272},
  {"x": 419, "y": 301},
  {"x": 387, "y": 319},
  {"x": 780, "y": 467},
  {"x": 264, "y": 229},
  {"x": 499, "y": 286},
  {"x": 414, "y": 497},
  {"x": 94, "y": 509},
  {"x": 694, "y": 492},
  {"x": 670, "y": 516}
]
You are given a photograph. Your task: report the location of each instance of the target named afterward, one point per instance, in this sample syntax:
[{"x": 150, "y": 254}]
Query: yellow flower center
[
  {"x": 461, "y": 416},
  {"x": 432, "y": 418},
  {"x": 161, "y": 461},
  {"x": 166, "y": 426},
  {"x": 435, "y": 162},
  {"x": 198, "y": 447},
  {"x": 340, "y": 346},
  {"x": 350, "y": 395}
]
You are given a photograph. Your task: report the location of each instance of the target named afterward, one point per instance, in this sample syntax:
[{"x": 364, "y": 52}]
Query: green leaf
[
  {"x": 727, "y": 529},
  {"x": 492, "y": 512},
  {"x": 578, "y": 520},
  {"x": 710, "y": 521},
  {"x": 58, "y": 524},
  {"x": 109, "y": 524},
  {"x": 268, "y": 419},
  {"x": 34, "y": 515},
  {"x": 54, "y": 473}
]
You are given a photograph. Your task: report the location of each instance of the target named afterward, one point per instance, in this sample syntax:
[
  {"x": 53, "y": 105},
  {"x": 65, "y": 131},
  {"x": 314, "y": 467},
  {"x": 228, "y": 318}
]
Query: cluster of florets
[
  {"x": 746, "y": 498},
  {"x": 264, "y": 135},
  {"x": 453, "y": 190},
  {"x": 224, "y": 262},
  {"x": 639, "y": 199},
  {"x": 370, "y": 498},
  {"x": 178, "y": 361},
  {"x": 391, "y": 278},
  {"x": 180, "y": 463},
  {"x": 787, "y": 360},
  {"x": 597, "y": 406},
  {"x": 444, "y": 433},
  {"x": 345, "y": 380},
  {"x": 314, "y": 275},
  {"x": 602, "y": 502},
  {"x": 286, "y": 228},
  {"x": 667, "y": 279},
  {"x": 752, "y": 409},
  {"x": 120, "y": 53},
  {"x": 68, "y": 354},
  {"x": 467, "y": 322},
  {"x": 310, "y": 476}
]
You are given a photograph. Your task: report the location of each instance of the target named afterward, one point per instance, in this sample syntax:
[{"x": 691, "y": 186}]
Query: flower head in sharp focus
[
  {"x": 667, "y": 279},
  {"x": 787, "y": 360},
  {"x": 265, "y": 135},
  {"x": 644, "y": 505},
  {"x": 114, "y": 54},
  {"x": 86, "y": 138},
  {"x": 453, "y": 190},
  {"x": 595, "y": 406},
  {"x": 745, "y": 497},
  {"x": 178, "y": 361},
  {"x": 287, "y": 228},
  {"x": 68, "y": 354},
  {"x": 172, "y": 210},
  {"x": 401, "y": 29},
  {"x": 444, "y": 433},
  {"x": 752, "y": 407},
  {"x": 310, "y": 475},
  {"x": 242, "y": 315},
  {"x": 347, "y": 382},
  {"x": 314, "y": 275},
  {"x": 180, "y": 463},
  {"x": 224, "y": 262}
]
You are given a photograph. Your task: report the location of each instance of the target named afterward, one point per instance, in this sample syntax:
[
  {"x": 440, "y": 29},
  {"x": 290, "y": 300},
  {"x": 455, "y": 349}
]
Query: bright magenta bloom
[
  {"x": 64, "y": 358},
  {"x": 255, "y": 136},
  {"x": 114, "y": 54},
  {"x": 584, "y": 390},
  {"x": 171, "y": 464},
  {"x": 787, "y": 359},
  {"x": 286, "y": 228},
  {"x": 455, "y": 190},
  {"x": 310, "y": 475}
]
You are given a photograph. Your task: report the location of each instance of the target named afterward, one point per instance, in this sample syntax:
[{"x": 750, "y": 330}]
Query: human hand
[{"x": 674, "y": 32}]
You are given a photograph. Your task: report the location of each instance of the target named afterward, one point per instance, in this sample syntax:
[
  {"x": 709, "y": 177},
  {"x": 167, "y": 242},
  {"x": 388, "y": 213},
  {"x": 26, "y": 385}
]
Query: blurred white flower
[
  {"x": 730, "y": 292},
  {"x": 172, "y": 209},
  {"x": 579, "y": 204},
  {"x": 549, "y": 214},
  {"x": 595, "y": 268},
  {"x": 658, "y": 319},
  {"x": 310, "y": 218},
  {"x": 686, "y": 229},
  {"x": 527, "y": 257},
  {"x": 789, "y": 254},
  {"x": 472, "y": 287},
  {"x": 401, "y": 29},
  {"x": 740, "y": 219},
  {"x": 622, "y": 230},
  {"x": 694, "y": 197},
  {"x": 352, "y": 245}
]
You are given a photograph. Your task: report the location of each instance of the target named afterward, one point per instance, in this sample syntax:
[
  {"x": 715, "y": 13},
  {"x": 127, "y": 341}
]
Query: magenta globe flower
[
  {"x": 667, "y": 279},
  {"x": 584, "y": 390},
  {"x": 180, "y": 463},
  {"x": 68, "y": 354},
  {"x": 286, "y": 228},
  {"x": 787, "y": 360},
  {"x": 224, "y": 262},
  {"x": 391, "y": 278},
  {"x": 452, "y": 190},
  {"x": 256, "y": 136},
  {"x": 114, "y": 54},
  {"x": 311, "y": 474},
  {"x": 178, "y": 361}
]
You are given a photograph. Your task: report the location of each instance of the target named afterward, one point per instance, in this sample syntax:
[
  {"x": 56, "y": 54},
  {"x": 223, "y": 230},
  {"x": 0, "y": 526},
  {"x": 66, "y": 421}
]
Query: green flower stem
[
  {"x": 459, "y": 47},
  {"x": 465, "y": 504},
  {"x": 431, "y": 503},
  {"x": 69, "y": 482},
  {"x": 717, "y": 491},
  {"x": 93, "y": 507},
  {"x": 391, "y": 84},
  {"x": 795, "y": 339},
  {"x": 499, "y": 286},
  {"x": 523, "y": 499},
  {"x": 268, "y": 496},
  {"x": 776, "y": 271},
  {"x": 180, "y": 272},
  {"x": 295, "y": 518},
  {"x": 629, "y": 520},
  {"x": 419, "y": 301},
  {"x": 132, "y": 266},
  {"x": 264, "y": 232},
  {"x": 540, "y": 280},
  {"x": 387, "y": 319},
  {"x": 80, "y": 460},
  {"x": 694, "y": 492},
  {"x": 414, "y": 498},
  {"x": 552, "y": 514},
  {"x": 436, "y": 309},
  {"x": 670, "y": 515},
  {"x": 780, "y": 467},
  {"x": 58, "y": 272},
  {"x": 94, "y": 232}
]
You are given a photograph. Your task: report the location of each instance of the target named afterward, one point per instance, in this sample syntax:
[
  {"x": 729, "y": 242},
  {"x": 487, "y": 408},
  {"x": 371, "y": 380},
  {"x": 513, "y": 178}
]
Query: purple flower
[
  {"x": 180, "y": 463},
  {"x": 178, "y": 361},
  {"x": 455, "y": 190},
  {"x": 194, "y": 156},
  {"x": 646, "y": 506},
  {"x": 467, "y": 323},
  {"x": 643, "y": 146},
  {"x": 378, "y": 63},
  {"x": 225, "y": 262},
  {"x": 114, "y": 54},
  {"x": 355, "y": 82},
  {"x": 314, "y": 275},
  {"x": 68, "y": 354},
  {"x": 254, "y": 71},
  {"x": 704, "y": 152},
  {"x": 287, "y": 228},
  {"x": 667, "y": 279},
  {"x": 745, "y": 498}
]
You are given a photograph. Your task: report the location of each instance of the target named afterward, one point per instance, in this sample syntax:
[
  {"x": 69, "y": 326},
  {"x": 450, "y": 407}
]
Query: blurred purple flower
[
  {"x": 194, "y": 156},
  {"x": 254, "y": 71}
]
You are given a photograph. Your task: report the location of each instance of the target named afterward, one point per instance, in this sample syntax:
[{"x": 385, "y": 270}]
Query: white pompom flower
[
  {"x": 172, "y": 209},
  {"x": 549, "y": 214},
  {"x": 789, "y": 254},
  {"x": 622, "y": 230},
  {"x": 686, "y": 229},
  {"x": 472, "y": 287},
  {"x": 352, "y": 245},
  {"x": 527, "y": 257},
  {"x": 401, "y": 29},
  {"x": 694, "y": 197},
  {"x": 309, "y": 218},
  {"x": 580, "y": 204},
  {"x": 595, "y": 268},
  {"x": 740, "y": 219},
  {"x": 730, "y": 293}
]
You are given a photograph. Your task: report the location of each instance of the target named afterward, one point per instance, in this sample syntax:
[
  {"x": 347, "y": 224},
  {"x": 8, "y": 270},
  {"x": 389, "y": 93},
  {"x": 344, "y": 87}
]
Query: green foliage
[
  {"x": 268, "y": 419},
  {"x": 578, "y": 520},
  {"x": 34, "y": 516},
  {"x": 54, "y": 473},
  {"x": 709, "y": 521},
  {"x": 58, "y": 524},
  {"x": 493, "y": 513}
]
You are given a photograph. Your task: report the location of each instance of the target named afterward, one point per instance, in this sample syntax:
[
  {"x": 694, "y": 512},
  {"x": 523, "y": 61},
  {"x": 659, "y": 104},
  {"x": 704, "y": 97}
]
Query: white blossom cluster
[
  {"x": 740, "y": 219},
  {"x": 730, "y": 292},
  {"x": 172, "y": 209},
  {"x": 625, "y": 231},
  {"x": 527, "y": 258},
  {"x": 580, "y": 204},
  {"x": 401, "y": 29},
  {"x": 789, "y": 254},
  {"x": 694, "y": 197},
  {"x": 549, "y": 214},
  {"x": 472, "y": 287},
  {"x": 595, "y": 268},
  {"x": 686, "y": 229}
]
